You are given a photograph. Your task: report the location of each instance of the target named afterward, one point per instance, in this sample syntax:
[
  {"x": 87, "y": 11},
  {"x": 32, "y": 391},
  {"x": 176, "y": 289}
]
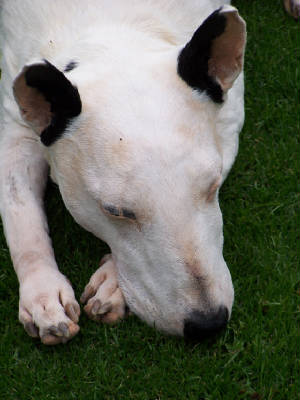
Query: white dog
[{"x": 136, "y": 106}]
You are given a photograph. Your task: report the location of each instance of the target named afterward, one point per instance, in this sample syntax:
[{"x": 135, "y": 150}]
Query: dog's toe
[
  {"x": 105, "y": 301},
  {"x": 89, "y": 292},
  {"x": 31, "y": 329},
  {"x": 73, "y": 311},
  {"x": 49, "y": 311}
]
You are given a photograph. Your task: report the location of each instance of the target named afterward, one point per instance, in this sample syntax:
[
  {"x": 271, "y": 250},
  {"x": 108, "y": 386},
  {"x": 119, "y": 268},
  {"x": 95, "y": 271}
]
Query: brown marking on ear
[
  {"x": 227, "y": 53},
  {"x": 34, "y": 108}
]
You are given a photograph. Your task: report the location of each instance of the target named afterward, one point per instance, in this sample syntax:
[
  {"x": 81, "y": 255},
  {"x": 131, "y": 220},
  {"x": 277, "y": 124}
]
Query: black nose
[{"x": 200, "y": 325}]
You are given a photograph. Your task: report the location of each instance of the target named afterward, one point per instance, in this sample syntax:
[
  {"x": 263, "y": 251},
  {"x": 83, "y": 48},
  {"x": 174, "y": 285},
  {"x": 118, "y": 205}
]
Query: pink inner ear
[
  {"x": 34, "y": 108},
  {"x": 227, "y": 53}
]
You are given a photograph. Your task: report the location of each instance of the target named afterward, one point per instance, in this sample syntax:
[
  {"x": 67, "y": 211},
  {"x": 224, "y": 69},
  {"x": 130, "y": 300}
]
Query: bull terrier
[{"x": 135, "y": 107}]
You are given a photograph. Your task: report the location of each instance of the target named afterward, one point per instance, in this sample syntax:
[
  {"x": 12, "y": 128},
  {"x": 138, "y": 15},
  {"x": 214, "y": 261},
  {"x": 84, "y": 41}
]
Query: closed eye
[{"x": 119, "y": 212}]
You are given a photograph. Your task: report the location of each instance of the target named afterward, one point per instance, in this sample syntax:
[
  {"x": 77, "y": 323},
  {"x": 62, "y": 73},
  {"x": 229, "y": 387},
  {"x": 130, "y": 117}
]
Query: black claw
[
  {"x": 95, "y": 307},
  {"x": 53, "y": 330},
  {"x": 71, "y": 312},
  {"x": 89, "y": 292},
  {"x": 31, "y": 329},
  {"x": 64, "y": 329}
]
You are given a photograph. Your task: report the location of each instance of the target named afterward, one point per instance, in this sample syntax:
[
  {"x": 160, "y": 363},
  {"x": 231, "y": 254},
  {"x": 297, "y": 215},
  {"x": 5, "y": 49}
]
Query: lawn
[{"x": 257, "y": 357}]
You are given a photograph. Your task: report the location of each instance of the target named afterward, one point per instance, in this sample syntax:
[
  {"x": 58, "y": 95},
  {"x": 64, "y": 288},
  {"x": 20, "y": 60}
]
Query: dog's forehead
[
  {"x": 146, "y": 98},
  {"x": 152, "y": 140},
  {"x": 134, "y": 128},
  {"x": 149, "y": 113}
]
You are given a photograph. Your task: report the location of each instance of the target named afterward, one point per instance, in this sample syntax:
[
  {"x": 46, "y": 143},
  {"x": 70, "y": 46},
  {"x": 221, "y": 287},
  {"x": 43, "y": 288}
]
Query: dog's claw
[
  {"x": 99, "y": 309},
  {"x": 31, "y": 329},
  {"x": 73, "y": 312},
  {"x": 89, "y": 292},
  {"x": 95, "y": 307},
  {"x": 105, "y": 301},
  {"x": 64, "y": 329},
  {"x": 54, "y": 330},
  {"x": 105, "y": 308},
  {"x": 60, "y": 334},
  {"x": 48, "y": 311}
]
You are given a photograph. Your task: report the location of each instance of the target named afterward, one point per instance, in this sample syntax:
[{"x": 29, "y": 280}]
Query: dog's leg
[
  {"x": 47, "y": 306},
  {"x": 105, "y": 301}
]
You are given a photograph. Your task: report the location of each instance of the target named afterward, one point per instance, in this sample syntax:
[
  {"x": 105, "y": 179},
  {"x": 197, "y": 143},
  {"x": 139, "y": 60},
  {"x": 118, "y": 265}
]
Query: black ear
[
  {"x": 213, "y": 58},
  {"x": 47, "y": 100}
]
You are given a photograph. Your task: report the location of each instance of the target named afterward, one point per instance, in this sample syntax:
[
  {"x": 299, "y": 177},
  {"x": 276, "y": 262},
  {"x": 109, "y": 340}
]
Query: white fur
[{"x": 174, "y": 145}]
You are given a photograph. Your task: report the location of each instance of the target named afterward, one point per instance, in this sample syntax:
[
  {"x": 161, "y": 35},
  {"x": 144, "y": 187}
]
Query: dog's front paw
[
  {"x": 105, "y": 301},
  {"x": 47, "y": 307}
]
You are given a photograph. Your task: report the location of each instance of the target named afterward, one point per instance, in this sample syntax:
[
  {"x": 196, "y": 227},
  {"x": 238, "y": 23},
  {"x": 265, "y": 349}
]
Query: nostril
[{"x": 200, "y": 325}]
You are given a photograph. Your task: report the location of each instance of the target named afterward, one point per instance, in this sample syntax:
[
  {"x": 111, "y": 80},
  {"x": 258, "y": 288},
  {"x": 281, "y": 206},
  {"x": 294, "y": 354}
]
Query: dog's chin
[{"x": 150, "y": 315}]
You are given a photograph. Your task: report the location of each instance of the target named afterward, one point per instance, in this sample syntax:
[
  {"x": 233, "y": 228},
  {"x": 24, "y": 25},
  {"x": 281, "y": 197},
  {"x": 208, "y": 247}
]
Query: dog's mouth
[{"x": 163, "y": 308}]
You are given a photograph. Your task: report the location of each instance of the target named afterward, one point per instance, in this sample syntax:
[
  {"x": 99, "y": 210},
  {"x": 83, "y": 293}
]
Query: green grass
[{"x": 258, "y": 355}]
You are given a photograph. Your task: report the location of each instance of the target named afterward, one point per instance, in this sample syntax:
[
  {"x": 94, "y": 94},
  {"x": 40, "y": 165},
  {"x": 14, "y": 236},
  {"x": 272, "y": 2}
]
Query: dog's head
[{"x": 135, "y": 152}]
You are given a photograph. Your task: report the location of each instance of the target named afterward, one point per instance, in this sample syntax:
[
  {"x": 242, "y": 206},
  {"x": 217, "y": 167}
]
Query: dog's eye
[{"x": 119, "y": 212}]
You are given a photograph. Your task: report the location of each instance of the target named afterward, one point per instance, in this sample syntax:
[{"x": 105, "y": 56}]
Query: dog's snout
[{"x": 201, "y": 325}]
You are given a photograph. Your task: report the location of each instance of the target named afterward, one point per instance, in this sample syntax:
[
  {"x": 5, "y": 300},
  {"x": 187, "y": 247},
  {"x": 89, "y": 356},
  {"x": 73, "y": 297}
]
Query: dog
[{"x": 136, "y": 108}]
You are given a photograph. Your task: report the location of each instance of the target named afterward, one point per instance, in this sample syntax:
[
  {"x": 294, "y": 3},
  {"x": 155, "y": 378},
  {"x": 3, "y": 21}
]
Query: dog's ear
[
  {"x": 47, "y": 100},
  {"x": 214, "y": 57}
]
